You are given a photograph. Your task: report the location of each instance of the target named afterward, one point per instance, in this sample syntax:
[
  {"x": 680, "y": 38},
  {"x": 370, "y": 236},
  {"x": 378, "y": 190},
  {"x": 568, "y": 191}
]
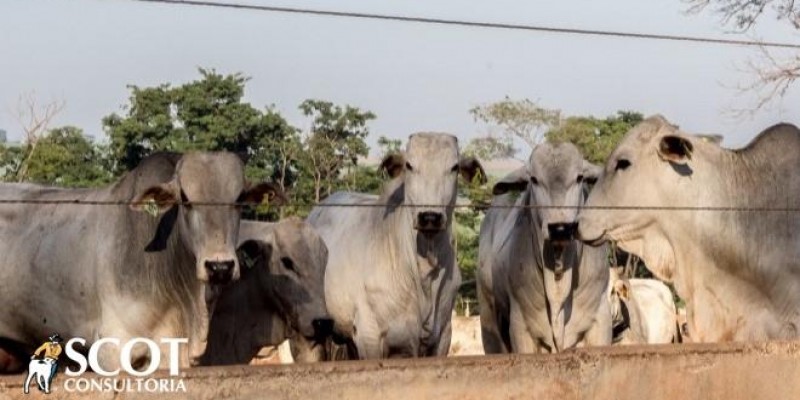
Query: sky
[{"x": 415, "y": 77}]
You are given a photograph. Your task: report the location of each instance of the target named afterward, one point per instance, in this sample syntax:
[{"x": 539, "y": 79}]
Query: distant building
[{"x": 3, "y": 137}]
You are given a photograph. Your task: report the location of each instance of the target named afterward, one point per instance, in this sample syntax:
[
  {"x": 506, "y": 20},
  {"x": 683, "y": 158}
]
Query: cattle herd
[{"x": 164, "y": 252}]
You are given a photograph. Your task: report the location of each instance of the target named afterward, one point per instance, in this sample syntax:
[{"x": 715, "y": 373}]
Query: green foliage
[
  {"x": 389, "y": 146},
  {"x": 490, "y": 148},
  {"x": 11, "y": 158},
  {"x": 330, "y": 151},
  {"x": 63, "y": 157},
  {"x": 595, "y": 138},
  {"x": 523, "y": 119},
  {"x": 467, "y": 228},
  {"x": 206, "y": 114}
]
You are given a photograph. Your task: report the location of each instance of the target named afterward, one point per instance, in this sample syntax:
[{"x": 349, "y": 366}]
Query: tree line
[{"x": 210, "y": 114}]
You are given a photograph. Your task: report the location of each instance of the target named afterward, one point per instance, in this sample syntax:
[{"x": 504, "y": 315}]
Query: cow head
[
  {"x": 429, "y": 169},
  {"x": 555, "y": 176},
  {"x": 294, "y": 257},
  {"x": 654, "y": 166},
  {"x": 554, "y": 184},
  {"x": 201, "y": 194}
]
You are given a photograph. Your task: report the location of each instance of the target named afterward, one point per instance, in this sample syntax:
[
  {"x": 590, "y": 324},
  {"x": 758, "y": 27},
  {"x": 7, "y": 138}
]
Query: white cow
[
  {"x": 540, "y": 289},
  {"x": 391, "y": 278},
  {"x": 643, "y": 311},
  {"x": 40, "y": 370},
  {"x": 721, "y": 225}
]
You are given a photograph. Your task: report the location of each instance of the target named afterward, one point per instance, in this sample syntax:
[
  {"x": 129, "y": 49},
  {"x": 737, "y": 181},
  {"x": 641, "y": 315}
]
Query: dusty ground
[
  {"x": 675, "y": 372},
  {"x": 466, "y": 341}
]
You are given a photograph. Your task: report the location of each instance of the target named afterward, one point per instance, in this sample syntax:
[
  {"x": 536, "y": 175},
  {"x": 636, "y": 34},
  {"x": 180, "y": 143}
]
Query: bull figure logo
[{"x": 44, "y": 369}]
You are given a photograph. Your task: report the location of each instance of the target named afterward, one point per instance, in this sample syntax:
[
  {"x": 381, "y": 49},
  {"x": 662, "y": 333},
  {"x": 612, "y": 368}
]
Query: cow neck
[
  {"x": 558, "y": 279},
  {"x": 422, "y": 255},
  {"x": 156, "y": 265}
]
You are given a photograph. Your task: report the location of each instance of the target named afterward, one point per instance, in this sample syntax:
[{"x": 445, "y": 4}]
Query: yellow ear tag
[
  {"x": 151, "y": 208},
  {"x": 249, "y": 262}
]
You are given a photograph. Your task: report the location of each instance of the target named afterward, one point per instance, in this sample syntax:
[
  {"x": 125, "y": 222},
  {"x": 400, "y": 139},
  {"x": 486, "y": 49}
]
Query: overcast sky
[{"x": 414, "y": 76}]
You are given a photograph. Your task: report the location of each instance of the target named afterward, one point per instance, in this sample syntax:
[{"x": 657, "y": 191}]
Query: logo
[{"x": 43, "y": 369}]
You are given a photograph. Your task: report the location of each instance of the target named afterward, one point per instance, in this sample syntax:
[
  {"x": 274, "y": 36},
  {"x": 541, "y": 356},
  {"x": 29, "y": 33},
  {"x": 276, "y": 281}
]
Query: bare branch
[
  {"x": 743, "y": 14},
  {"x": 773, "y": 76},
  {"x": 34, "y": 119}
]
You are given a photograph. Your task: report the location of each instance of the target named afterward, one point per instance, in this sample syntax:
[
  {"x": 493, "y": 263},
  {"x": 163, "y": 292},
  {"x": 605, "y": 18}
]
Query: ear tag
[
  {"x": 151, "y": 208},
  {"x": 249, "y": 262}
]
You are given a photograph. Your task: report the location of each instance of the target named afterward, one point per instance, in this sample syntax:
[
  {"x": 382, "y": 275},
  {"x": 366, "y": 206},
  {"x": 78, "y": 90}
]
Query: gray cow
[
  {"x": 279, "y": 296},
  {"x": 114, "y": 271},
  {"x": 737, "y": 265},
  {"x": 541, "y": 290},
  {"x": 391, "y": 278}
]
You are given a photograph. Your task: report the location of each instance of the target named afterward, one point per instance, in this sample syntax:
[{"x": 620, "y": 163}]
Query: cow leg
[
  {"x": 445, "y": 337},
  {"x": 304, "y": 351},
  {"x": 521, "y": 340},
  {"x": 490, "y": 334},
  {"x": 369, "y": 339},
  {"x": 26, "y": 388},
  {"x": 601, "y": 331}
]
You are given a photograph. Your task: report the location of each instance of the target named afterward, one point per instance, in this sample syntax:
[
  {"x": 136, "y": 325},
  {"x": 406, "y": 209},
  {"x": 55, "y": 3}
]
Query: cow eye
[
  {"x": 580, "y": 178},
  {"x": 287, "y": 263},
  {"x": 622, "y": 164},
  {"x": 408, "y": 166},
  {"x": 534, "y": 180},
  {"x": 454, "y": 169}
]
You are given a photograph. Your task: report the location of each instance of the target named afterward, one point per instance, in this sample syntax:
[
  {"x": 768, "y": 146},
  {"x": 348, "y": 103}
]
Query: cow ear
[
  {"x": 263, "y": 192},
  {"x": 393, "y": 164},
  {"x": 470, "y": 167},
  {"x": 675, "y": 149},
  {"x": 516, "y": 181},
  {"x": 591, "y": 172},
  {"x": 157, "y": 199}
]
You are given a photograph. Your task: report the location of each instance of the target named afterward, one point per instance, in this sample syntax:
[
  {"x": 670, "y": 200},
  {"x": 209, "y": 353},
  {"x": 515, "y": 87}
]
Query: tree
[
  {"x": 490, "y": 148},
  {"x": 522, "y": 119},
  {"x": 467, "y": 226},
  {"x": 206, "y": 114},
  {"x": 389, "y": 146},
  {"x": 335, "y": 141},
  {"x": 34, "y": 119},
  {"x": 774, "y": 74},
  {"x": 65, "y": 157},
  {"x": 595, "y": 138}
]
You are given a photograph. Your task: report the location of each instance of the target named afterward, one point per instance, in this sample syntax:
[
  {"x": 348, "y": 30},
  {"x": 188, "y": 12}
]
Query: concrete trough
[{"x": 672, "y": 372}]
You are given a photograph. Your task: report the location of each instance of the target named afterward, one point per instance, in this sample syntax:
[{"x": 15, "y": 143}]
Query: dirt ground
[{"x": 670, "y": 372}]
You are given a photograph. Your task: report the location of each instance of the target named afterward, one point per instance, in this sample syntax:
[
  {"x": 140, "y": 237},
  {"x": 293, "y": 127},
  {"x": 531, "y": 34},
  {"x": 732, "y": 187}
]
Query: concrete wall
[{"x": 730, "y": 372}]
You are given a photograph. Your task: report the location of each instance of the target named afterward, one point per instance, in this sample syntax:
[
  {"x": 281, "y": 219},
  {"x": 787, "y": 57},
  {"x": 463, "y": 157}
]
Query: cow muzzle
[
  {"x": 220, "y": 272},
  {"x": 430, "y": 222},
  {"x": 562, "y": 233}
]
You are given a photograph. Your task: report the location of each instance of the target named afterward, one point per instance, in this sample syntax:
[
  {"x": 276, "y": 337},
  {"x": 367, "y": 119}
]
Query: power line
[
  {"x": 494, "y": 25},
  {"x": 79, "y": 202}
]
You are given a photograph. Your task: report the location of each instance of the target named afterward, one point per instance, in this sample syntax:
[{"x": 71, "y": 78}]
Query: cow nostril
[
  {"x": 562, "y": 231},
  {"x": 429, "y": 218},
  {"x": 220, "y": 271},
  {"x": 219, "y": 266}
]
